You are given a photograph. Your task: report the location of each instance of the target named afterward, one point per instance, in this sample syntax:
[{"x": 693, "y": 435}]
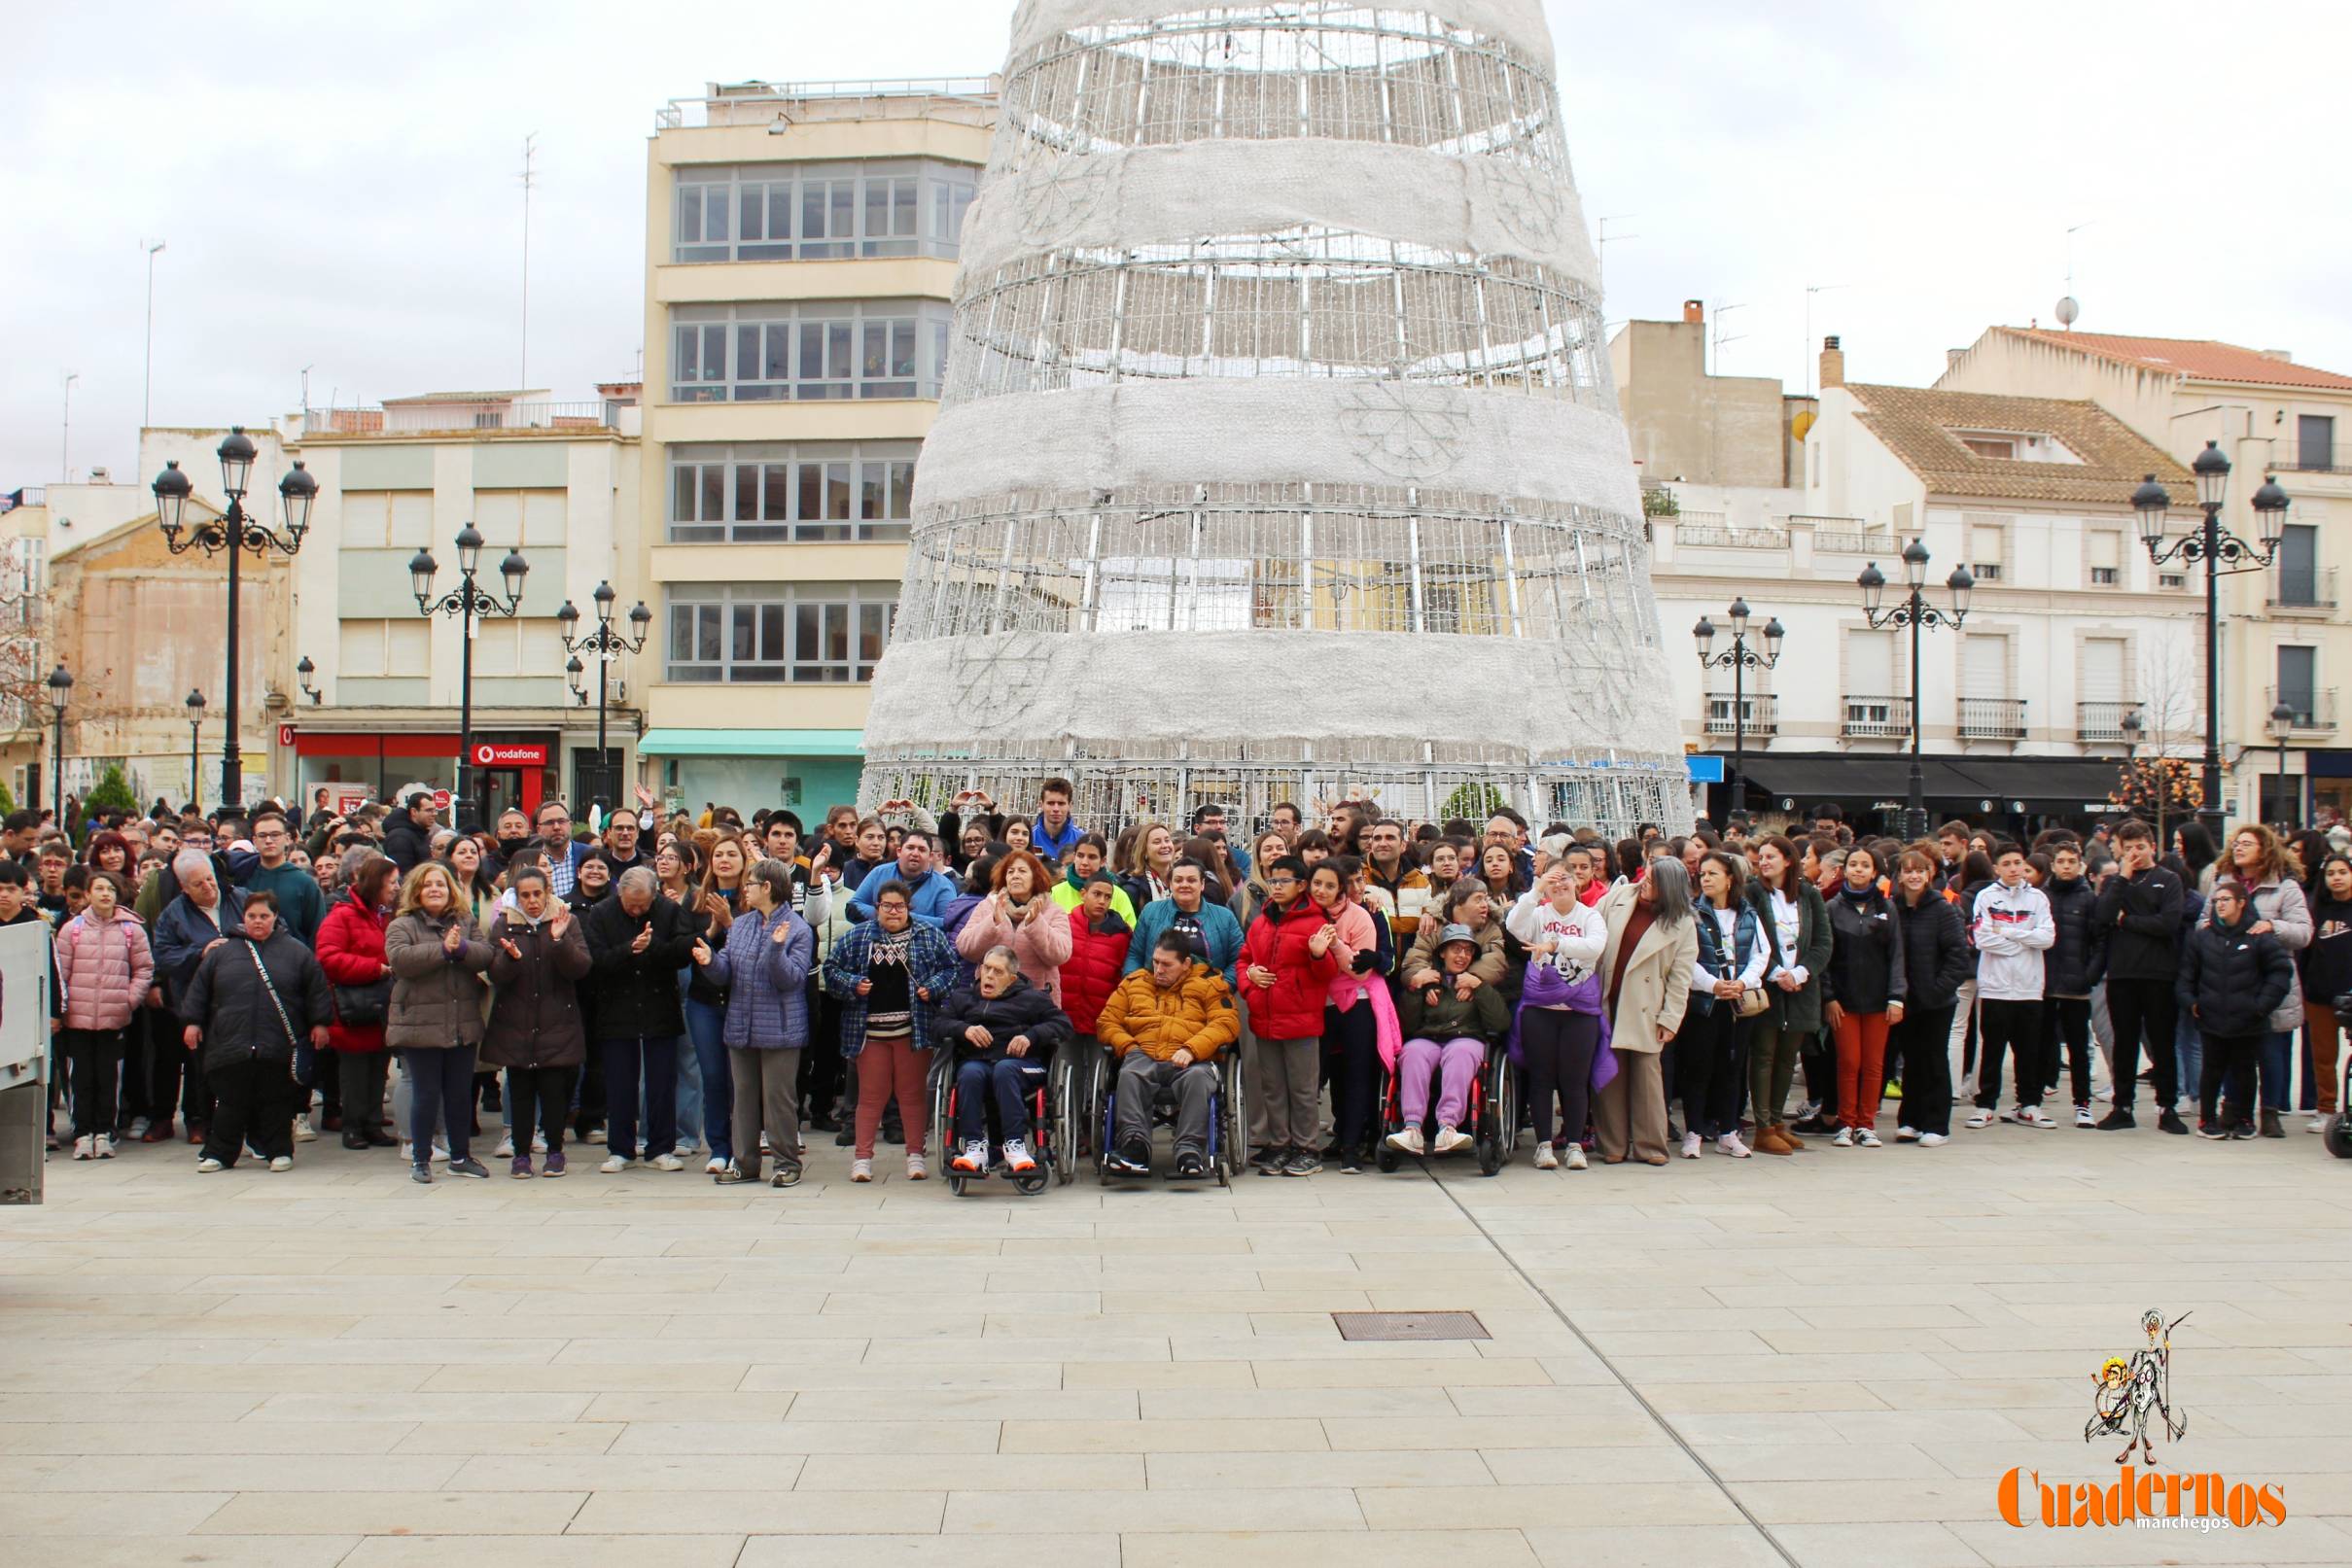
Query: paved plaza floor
[{"x": 1830, "y": 1359}]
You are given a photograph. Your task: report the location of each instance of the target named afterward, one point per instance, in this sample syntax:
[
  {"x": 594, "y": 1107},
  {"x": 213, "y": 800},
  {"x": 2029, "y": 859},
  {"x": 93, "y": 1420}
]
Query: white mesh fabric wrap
[{"x": 1169, "y": 304}]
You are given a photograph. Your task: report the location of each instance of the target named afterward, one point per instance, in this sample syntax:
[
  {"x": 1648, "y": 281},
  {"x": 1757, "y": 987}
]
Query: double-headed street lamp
[
  {"x": 607, "y": 643},
  {"x": 236, "y": 533},
  {"x": 194, "y": 705},
  {"x": 466, "y": 601},
  {"x": 2222, "y": 553},
  {"x": 1739, "y": 659},
  {"x": 1915, "y": 611},
  {"x": 61, "y": 688}
]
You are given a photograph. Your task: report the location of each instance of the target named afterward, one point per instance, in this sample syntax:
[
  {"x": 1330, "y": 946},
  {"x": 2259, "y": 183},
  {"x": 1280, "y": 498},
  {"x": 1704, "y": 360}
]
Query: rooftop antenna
[
  {"x": 147, "y": 395},
  {"x": 1720, "y": 339},
  {"x": 2069, "y": 308},
  {"x": 65, "y": 431},
  {"x": 1810, "y": 290},
  {"x": 1602, "y": 246},
  {"x": 529, "y": 178}
]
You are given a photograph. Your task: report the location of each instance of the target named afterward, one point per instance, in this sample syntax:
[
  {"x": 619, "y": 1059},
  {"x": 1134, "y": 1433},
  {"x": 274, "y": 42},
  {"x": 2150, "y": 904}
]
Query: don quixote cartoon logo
[{"x": 2133, "y": 1398}]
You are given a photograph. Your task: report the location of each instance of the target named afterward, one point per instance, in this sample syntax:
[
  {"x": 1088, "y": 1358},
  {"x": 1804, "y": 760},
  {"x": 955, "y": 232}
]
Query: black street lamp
[
  {"x": 607, "y": 643},
  {"x": 303, "y": 670},
  {"x": 466, "y": 601},
  {"x": 195, "y": 772},
  {"x": 2222, "y": 553},
  {"x": 61, "y": 688},
  {"x": 2282, "y": 725},
  {"x": 2131, "y": 727},
  {"x": 1739, "y": 659},
  {"x": 1916, "y": 613},
  {"x": 236, "y": 533}
]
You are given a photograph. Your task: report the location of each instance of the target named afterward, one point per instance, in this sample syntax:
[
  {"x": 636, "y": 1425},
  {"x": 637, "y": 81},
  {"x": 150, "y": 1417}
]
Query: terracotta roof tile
[
  {"x": 1917, "y": 426},
  {"x": 2199, "y": 359}
]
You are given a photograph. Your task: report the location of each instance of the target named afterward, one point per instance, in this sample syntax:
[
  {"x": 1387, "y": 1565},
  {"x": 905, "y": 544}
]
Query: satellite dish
[{"x": 2068, "y": 310}]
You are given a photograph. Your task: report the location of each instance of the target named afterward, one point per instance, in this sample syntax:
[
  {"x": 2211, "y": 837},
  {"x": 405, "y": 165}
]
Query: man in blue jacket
[
  {"x": 1214, "y": 934},
  {"x": 930, "y": 892}
]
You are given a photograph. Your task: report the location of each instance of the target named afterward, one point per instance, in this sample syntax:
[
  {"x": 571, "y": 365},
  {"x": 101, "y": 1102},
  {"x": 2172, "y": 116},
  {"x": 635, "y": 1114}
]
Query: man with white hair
[
  {"x": 190, "y": 927},
  {"x": 638, "y": 941}
]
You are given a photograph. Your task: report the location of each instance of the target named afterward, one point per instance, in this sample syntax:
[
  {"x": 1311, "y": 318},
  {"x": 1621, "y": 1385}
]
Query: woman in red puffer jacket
[{"x": 351, "y": 950}]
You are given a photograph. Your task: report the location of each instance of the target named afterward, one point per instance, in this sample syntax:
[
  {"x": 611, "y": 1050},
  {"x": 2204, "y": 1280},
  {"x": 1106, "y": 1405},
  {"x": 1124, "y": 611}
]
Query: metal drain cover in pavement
[{"x": 1409, "y": 1326}]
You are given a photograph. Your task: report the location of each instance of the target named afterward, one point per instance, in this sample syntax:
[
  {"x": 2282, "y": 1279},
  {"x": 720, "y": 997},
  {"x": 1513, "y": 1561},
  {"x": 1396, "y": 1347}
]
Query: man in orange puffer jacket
[{"x": 1166, "y": 1025}]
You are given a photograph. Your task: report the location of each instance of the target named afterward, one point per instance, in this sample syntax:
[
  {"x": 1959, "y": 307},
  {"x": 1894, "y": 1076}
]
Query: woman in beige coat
[
  {"x": 1646, "y": 972},
  {"x": 436, "y": 955}
]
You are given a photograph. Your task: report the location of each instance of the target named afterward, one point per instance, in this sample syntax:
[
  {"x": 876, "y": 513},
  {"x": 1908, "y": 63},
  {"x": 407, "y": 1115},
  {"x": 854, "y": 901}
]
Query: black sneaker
[
  {"x": 1271, "y": 1162},
  {"x": 2211, "y": 1130},
  {"x": 2117, "y": 1119},
  {"x": 845, "y": 1137},
  {"x": 1302, "y": 1163},
  {"x": 1814, "y": 1125},
  {"x": 2242, "y": 1130},
  {"x": 2169, "y": 1120},
  {"x": 468, "y": 1166},
  {"x": 2271, "y": 1124},
  {"x": 1351, "y": 1164},
  {"x": 1191, "y": 1164}
]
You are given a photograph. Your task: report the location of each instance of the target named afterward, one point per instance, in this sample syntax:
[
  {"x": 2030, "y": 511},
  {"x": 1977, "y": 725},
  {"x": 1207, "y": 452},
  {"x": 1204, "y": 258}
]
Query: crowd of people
[{"x": 709, "y": 988}]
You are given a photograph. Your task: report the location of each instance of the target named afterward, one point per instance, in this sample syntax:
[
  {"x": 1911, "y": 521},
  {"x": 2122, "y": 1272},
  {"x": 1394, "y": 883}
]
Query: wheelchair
[
  {"x": 1491, "y": 1117},
  {"x": 1054, "y": 1119},
  {"x": 1228, "y": 1119}
]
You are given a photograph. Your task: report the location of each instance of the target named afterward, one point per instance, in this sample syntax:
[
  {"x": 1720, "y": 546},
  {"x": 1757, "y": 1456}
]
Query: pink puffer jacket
[{"x": 105, "y": 969}]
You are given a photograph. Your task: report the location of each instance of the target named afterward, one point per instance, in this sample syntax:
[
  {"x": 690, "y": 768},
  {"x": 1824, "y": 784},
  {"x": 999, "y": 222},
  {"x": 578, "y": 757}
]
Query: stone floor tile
[
  {"x": 1654, "y": 1546},
  {"x": 763, "y": 1512},
  {"x": 1275, "y": 1510},
  {"x": 1161, "y": 1436},
  {"x": 928, "y": 1551},
  {"x": 1357, "y": 1548},
  {"x": 1258, "y": 1470},
  {"x": 678, "y": 1551}
]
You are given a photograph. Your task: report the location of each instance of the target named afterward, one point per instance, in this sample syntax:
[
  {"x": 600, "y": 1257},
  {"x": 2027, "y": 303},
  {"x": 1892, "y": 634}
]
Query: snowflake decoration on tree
[{"x": 1404, "y": 433}]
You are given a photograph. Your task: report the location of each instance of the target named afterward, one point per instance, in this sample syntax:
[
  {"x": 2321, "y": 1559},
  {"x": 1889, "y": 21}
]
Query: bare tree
[{"x": 2171, "y": 697}]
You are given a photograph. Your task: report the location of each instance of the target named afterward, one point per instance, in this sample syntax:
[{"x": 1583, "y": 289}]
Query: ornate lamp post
[
  {"x": 467, "y": 601},
  {"x": 607, "y": 643},
  {"x": 195, "y": 772},
  {"x": 2282, "y": 725},
  {"x": 237, "y": 533},
  {"x": 1739, "y": 659},
  {"x": 1915, "y": 611},
  {"x": 61, "y": 688},
  {"x": 302, "y": 672},
  {"x": 2222, "y": 553}
]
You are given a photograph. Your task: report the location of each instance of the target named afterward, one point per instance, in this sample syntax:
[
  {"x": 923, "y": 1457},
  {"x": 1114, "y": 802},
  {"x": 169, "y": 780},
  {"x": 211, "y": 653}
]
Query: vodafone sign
[{"x": 509, "y": 755}]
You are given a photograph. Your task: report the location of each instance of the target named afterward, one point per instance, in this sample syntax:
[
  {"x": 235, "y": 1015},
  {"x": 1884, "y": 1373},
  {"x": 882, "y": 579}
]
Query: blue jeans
[
  {"x": 2274, "y": 1058},
  {"x": 439, "y": 1081},
  {"x": 656, "y": 1060},
  {"x": 712, "y": 1103},
  {"x": 2189, "y": 1043}
]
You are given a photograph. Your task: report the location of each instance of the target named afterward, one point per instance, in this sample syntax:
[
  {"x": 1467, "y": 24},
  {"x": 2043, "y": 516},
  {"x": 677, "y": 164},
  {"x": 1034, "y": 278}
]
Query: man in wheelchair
[
  {"x": 1166, "y": 1025},
  {"x": 1005, "y": 1031}
]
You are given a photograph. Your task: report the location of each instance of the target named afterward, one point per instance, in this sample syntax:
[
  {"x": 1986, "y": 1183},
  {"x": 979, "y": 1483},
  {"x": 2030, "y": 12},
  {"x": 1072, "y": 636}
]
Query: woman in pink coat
[
  {"x": 1021, "y": 913},
  {"x": 105, "y": 967}
]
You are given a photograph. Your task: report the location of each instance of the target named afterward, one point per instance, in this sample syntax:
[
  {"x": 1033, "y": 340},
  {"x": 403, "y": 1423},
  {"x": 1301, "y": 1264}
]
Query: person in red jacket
[
  {"x": 1098, "y": 951},
  {"x": 351, "y": 950},
  {"x": 1288, "y": 962}
]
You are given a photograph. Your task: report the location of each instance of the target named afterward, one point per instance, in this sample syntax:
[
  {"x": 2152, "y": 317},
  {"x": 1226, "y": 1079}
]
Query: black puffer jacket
[
  {"x": 635, "y": 995},
  {"x": 535, "y": 1019},
  {"x": 2231, "y": 979},
  {"x": 1023, "y": 1009},
  {"x": 1866, "y": 967},
  {"x": 1935, "y": 960},
  {"x": 2067, "y": 969},
  {"x": 2139, "y": 921},
  {"x": 229, "y": 1001}
]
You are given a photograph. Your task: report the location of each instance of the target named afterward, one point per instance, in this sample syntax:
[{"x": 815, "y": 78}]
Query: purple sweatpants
[{"x": 1457, "y": 1063}]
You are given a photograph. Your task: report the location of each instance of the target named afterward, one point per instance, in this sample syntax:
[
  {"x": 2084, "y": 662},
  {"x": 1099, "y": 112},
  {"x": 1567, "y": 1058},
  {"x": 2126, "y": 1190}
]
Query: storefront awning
[
  {"x": 2048, "y": 784},
  {"x": 753, "y": 743},
  {"x": 1809, "y": 779}
]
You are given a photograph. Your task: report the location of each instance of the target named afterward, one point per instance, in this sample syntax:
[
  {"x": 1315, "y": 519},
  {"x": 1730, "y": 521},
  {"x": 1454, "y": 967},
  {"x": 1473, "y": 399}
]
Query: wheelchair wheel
[
  {"x": 1388, "y": 1159},
  {"x": 943, "y": 1109},
  {"x": 956, "y": 1184},
  {"x": 1234, "y": 1104},
  {"x": 1499, "y": 1127},
  {"x": 1065, "y": 1117}
]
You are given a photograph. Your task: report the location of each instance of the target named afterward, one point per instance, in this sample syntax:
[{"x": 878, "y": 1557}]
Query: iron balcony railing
[
  {"x": 2314, "y": 708},
  {"x": 2102, "y": 722},
  {"x": 1992, "y": 718},
  {"x": 2295, "y": 457},
  {"x": 971, "y": 99},
  {"x": 1706, "y": 535},
  {"x": 1876, "y": 719},
  {"x": 2313, "y": 589},
  {"x": 1763, "y": 714}
]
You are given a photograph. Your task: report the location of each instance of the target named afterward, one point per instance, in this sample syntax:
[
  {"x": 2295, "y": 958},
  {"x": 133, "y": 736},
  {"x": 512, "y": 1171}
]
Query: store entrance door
[{"x": 508, "y": 775}]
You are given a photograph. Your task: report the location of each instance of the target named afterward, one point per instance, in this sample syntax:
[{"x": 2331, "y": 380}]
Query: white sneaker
[
  {"x": 102, "y": 1146},
  {"x": 1933, "y": 1140},
  {"x": 596, "y": 1134},
  {"x": 1017, "y": 1158},
  {"x": 83, "y": 1150},
  {"x": 1689, "y": 1145},
  {"x": 687, "y": 1150},
  {"x": 1844, "y": 1139},
  {"x": 1409, "y": 1140},
  {"x": 1545, "y": 1158},
  {"x": 538, "y": 1143},
  {"x": 713, "y": 1165},
  {"x": 208, "y": 1165},
  {"x": 2317, "y": 1124},
  {"x": 668, "y": 1161},
  {"x": 1907, "y": 1134},
  {"x": 2033, "y": 1116},
  {"x": 972, "y": 1159},
  {"x": 1450, "y": 1138},
  {"x": 506, "y": 1147},
  {"x": 1730, "y": 1144},
  {"x": 281, "y": 1162},
  {"x": 1807, "y": 1111},
  {"x": 918, "y": 1168},
  {"x": 1868, "y": 1138},
  {"x": 303, "y": 1133},
  {"x": 1975, "y": 1120},
  {"x": 1575, "y": 1157},
  {"x": 616, "y": 1165},
  {"x": 2083, "y": 1118},
  {"x": 861, "y": 1170}
]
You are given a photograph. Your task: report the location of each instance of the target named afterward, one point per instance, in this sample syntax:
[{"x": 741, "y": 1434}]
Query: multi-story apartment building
[
  {"x": 2285, "y": 639},
  {"x": 801, "y": 257},
  {"x": 2068, "y": 631}
]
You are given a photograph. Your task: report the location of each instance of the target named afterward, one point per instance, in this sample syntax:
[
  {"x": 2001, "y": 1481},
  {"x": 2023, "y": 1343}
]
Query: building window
[
  {"x": 772, "y": 494},
  {"x": 387, "y": 519},
  {"x": 2171, "y": 579},
  {"x": 519, "y": 645},
  {"x": 520, "y": 519},
  {"x": 2298, "y": 681},
  {"x": 2105, "y": 547},
  {"x": 820, "y": 212},
  {"x": 1991, "y": 447},
  {"x": 813, "y": 351},
  {"x": 1985, "y": 549},
  {"x": 2315, "y": 441},
  {"x": 803, "y": 634},
  {"x": 2298, "y": 568},
  {"x": 386, "y": 647}
]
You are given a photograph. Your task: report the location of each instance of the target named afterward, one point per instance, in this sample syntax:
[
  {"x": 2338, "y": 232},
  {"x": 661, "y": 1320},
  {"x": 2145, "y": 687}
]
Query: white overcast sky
[{"x": 338, "y": 186}]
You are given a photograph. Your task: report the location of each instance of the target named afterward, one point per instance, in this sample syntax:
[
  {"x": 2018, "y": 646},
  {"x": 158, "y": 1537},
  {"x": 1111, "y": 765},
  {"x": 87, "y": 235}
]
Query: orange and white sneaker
[
  {"x": 972, "y": 1159},
  {"x": 1017, "y": 1158}
]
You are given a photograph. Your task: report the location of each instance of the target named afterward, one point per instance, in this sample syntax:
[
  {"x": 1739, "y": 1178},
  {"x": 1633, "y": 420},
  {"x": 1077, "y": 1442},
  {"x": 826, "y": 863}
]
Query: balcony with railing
[
  {"x": 1761, "y": 716},
  {"x": 966, "y": 99},
  {"x": 458, "y": 417},
  {"x": 1992, "y": 718},
  {"x": 2314, "y": 708},
  {"x": 2101, "y": 724},
  {"x": 2311, "y": 457},
  {"x": 1846, "y": 535},
  {"x": 2301, "y": 590},
  {"x": 1706, "y": 530},
  {"x": 1876, "y": 718}
]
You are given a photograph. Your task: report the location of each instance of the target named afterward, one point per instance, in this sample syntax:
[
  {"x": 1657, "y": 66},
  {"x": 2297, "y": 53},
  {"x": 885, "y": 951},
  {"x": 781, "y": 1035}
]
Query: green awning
[{"x": 753, "y": 743}]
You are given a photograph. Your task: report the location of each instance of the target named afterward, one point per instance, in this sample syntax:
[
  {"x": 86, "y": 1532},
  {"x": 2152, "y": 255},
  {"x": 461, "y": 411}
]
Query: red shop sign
[{"x": 509, "y": 755}]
